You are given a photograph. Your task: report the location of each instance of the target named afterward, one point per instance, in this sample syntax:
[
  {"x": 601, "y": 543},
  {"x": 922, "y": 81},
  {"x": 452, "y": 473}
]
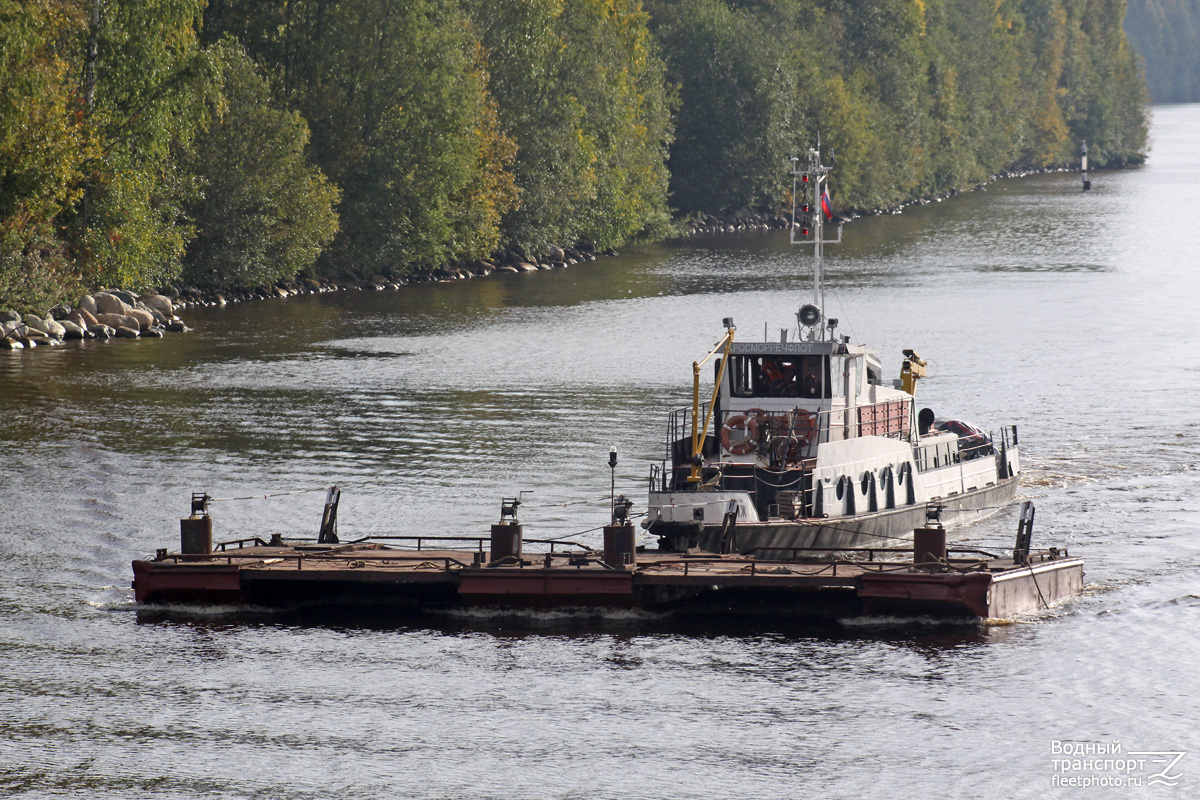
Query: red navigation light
[
  {"x": 805, "y": 207},
  {"x": 804, "y": 178},
  {"x": 804, "y": 231}
]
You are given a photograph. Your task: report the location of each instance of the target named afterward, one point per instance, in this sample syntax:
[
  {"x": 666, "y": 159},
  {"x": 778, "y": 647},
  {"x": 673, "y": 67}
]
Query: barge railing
[
  {"x": 870, "y": 551},
  {"x": 230, "y": 548}
]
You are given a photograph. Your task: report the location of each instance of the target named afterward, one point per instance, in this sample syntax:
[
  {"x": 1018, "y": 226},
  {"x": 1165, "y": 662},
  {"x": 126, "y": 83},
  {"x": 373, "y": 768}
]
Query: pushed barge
[
  {"x": 428, "y": 574},
  {"x": 803, "y": 446}
]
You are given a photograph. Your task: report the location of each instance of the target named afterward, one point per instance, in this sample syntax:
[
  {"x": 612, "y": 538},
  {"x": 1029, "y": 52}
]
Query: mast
[{"x": 808, "y": 226}]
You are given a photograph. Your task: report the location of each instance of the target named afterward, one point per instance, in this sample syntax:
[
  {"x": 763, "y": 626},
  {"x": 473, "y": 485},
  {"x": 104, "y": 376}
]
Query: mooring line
[
  {"x": 1041, "y": 597},
  {"x": 265, "y": 496},
  {"x": 589, "y": 530}
]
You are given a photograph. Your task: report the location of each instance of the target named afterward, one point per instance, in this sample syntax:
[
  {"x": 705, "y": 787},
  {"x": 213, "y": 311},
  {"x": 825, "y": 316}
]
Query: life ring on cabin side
[{"x": 748, "y": 423}]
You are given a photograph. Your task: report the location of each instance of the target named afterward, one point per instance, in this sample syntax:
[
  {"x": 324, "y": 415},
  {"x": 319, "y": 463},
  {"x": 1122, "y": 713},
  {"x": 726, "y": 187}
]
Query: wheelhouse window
[
  {"x": 779, "y": 376},
  {"x": 839, "y": 378}
]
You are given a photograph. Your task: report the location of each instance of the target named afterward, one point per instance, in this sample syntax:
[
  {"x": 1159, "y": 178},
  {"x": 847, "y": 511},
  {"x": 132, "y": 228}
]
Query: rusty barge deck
[{"x": 280, "y": 573}]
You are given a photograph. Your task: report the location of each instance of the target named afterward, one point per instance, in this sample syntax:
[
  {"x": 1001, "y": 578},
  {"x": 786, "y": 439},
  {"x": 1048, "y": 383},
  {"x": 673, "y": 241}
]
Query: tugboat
[{"x": 802, "y": 446}]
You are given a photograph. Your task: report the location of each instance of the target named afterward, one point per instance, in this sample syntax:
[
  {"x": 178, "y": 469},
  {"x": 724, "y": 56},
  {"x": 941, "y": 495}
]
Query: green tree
[
  {"x": 43, "y": 146},
  {"x": 740, "y": 111},
  {"x": 1166, "y": 33},
  {"x": 147, "y": 89},
  {"x": 396, "y": 98},
  {"x": 262, "y": 212},
  {"x": 1104, "y": 99},
  {"x": 581, "y": 90},
  {"x": 917, "y": 96}
]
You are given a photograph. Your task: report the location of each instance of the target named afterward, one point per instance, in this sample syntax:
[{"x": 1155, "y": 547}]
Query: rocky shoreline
[
  {"x": 555, "y": 258},
  {"x": 120, "y": 314},
  {"x": 116, "y": 313}
]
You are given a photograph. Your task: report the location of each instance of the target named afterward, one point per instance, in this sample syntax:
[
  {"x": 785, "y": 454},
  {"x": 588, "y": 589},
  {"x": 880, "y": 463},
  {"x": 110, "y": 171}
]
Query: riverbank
[
  {"x": 120, "y": 314},
  {"x": 156, "y": 311},
  {"x": 749, "y": 220},
  {"x": 109, "y": 314},
  {"x": 554, "y": 258}
]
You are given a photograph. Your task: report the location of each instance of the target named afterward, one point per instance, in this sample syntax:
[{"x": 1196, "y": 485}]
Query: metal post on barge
[
  {"x": 328, "y": 532},
  {"x": 507, "y": 535},
  {"x": 929, "y": 547},
  {"x": 620, "y": 539},
  {"x": 195, "y": 532}
]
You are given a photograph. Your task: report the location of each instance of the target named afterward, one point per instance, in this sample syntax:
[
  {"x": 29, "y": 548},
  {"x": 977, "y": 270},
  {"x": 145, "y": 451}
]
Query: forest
[
  {"x": 1166, "y": 34},
  {"x": 215, "y": 143}
]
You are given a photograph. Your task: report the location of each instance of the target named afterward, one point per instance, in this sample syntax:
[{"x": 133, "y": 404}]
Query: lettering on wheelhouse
[{"x": 772, "y": 348}]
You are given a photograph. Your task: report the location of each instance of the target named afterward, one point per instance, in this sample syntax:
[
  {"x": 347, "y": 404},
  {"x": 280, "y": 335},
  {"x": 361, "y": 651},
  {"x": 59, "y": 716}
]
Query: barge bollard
[
  {"x": 195, "y": 535},
  {"x": 507, "y": 539},
  {"x": 195, "y": 532},
  {"x": 620, "y": 546},
  {"x": 929, "y": 545}
]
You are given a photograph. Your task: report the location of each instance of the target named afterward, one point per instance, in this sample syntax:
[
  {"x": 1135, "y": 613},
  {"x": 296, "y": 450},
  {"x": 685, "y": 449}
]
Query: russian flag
[{"x": 825, "y": 207}]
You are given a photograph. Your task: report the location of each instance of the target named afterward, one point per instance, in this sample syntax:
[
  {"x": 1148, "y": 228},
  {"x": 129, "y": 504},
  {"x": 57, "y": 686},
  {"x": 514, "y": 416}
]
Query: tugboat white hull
[{"x": 777, "y": 539}]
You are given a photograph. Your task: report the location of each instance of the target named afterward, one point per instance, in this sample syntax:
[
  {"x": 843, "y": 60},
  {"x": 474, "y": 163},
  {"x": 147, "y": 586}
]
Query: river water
[{"x": 1071, "y": 314}]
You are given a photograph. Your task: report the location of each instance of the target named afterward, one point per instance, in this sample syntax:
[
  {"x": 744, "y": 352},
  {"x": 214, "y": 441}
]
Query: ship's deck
[{"x": 285, "y": 572}]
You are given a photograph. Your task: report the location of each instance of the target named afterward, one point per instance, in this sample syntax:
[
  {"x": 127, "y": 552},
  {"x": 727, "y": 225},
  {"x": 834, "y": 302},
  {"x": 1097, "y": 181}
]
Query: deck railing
[
  {"x": 783, "y": 446},
  {"x": 790, "y": 436}
]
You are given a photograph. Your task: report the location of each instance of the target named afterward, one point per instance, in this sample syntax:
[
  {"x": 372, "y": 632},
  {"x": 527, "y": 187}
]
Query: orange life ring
[
  {"x": 747, "y": 422},
  {"x": 803, "y": 426}
]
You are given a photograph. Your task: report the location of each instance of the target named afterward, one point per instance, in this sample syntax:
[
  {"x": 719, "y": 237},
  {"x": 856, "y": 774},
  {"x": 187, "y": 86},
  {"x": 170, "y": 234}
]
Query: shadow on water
[{"x": 919, "y": 633}]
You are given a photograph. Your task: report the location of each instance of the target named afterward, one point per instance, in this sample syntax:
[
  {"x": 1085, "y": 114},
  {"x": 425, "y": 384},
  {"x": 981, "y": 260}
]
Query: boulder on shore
[
  {"x": 118, "y": 321},
  {"x": 84, "y": 319},
  {"x": 127, "y": 332},
  {"x": 55, "y": 328},
  {"x": 34, "y": 322},
  {"x": 107, "y": 303},
  {"x": 145, "y": 320},
  {"x": 126, "y": 297},
  {"x": 71, "y": 329},
  {"x": 163, "y": 304}
]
